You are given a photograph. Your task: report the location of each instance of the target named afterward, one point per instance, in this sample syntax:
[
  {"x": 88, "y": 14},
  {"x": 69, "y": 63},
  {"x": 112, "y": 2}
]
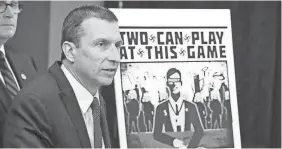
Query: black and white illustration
[
  {"x": 177, "y": 97},
  {"x": 175, "y": 86}
]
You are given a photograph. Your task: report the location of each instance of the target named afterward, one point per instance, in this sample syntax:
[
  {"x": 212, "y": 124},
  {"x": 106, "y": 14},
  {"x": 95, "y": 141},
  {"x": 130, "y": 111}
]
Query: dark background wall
[
  {"x": 58, "y": 12},
  {"x": 39, "y": 29},
  {"x": 32, "y": 35},
  {"x": 256, "y": 29}
]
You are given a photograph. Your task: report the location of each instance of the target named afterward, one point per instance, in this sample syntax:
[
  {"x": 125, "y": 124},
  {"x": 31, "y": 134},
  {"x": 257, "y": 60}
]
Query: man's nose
[
  {"x": 9, "y": 12},
  {"x": 114, "y": 55}
]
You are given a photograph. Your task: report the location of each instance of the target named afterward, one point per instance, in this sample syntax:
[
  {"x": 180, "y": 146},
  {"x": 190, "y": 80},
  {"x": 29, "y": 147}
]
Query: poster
[{"x": 175, "y": 86}]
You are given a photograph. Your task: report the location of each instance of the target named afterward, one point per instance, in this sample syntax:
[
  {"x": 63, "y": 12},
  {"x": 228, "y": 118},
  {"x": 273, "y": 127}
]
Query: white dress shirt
[
  {"x": 1, "y": 77},
  {"x": 85, "y": 99},
  {"x": 180, "y": 119}
]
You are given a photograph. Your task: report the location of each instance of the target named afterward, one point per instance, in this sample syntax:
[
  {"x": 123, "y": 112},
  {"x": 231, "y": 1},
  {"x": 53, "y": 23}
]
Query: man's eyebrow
[
  {"x": 9, "y": 2},
  {"x": 106, "y": 40},
  {"x": 100, "y": 39},
  {"x": 173, "y": 79}
]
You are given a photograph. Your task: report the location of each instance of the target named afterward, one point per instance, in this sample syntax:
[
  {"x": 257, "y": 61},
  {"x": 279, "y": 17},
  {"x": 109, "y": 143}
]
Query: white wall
[{"x": 58, "y": 12}]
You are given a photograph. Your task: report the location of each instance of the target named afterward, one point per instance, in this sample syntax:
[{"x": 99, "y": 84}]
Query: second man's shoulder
[
  {"x": 44, "y": 85},
  {"x": 189, "y": 104}
]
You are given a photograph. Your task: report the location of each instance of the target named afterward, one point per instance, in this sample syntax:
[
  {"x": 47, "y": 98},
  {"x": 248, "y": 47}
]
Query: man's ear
[{"x": 69, "y": 50}]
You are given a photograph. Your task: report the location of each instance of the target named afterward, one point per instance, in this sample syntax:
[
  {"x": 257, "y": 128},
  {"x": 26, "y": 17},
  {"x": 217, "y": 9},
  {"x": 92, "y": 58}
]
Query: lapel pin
[
  {"x": 165, "y": 113},
  {"x": 23, "y": 76},
  {"x": 186, "y": 109}
]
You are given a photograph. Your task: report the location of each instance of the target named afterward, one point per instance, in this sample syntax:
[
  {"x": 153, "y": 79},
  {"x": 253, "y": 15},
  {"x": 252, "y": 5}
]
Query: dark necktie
[
  {"x": 97, "y": 126},
  {"x": 177, "y": 111},
  {"x": 9, "y": 80}
]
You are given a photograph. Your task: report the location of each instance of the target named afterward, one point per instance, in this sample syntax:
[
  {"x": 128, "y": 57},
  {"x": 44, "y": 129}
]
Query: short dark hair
[
  {"x": 71, "y": 29},
  {"x": 172, "y": 71}
]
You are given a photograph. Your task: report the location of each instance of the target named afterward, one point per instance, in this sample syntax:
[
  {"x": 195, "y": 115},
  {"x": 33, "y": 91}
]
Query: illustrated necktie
[
  {"x": 177, "y": 113},
  {"x": 97, "y": 126},
  {"x": 9, "y": 80},
  {"x": 176, "y": 110}
]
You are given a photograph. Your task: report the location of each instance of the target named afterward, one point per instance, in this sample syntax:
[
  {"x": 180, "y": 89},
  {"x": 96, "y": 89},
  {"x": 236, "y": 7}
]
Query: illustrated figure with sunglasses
[
  {"x": 176, "y": 115},
  {"x": 16, "y": 68}
]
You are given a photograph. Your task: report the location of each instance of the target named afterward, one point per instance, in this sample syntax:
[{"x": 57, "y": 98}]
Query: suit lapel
[
  {"x": 104, "y": 124},
  {"x": 169, "y": 124},
  {"x": 71, "y": 104},
  {"x": 4, "y": 97},
  {"x": 19, "y": 66},
  {"x": 187, "y": 117}
]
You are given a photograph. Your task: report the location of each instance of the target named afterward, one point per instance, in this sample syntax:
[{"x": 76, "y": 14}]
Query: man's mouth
[
  {"x": 6, "y": 25},
  {"x": 110, "y": 71}
]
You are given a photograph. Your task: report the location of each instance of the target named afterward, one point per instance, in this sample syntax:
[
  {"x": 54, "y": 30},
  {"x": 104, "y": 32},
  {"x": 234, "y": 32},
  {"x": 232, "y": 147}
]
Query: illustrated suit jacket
[{"x": 162, "y": 120}]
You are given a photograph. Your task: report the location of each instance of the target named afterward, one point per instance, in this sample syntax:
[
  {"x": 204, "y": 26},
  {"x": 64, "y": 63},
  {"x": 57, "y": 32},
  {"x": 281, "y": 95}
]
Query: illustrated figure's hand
[{"x": 179, "y": 144}]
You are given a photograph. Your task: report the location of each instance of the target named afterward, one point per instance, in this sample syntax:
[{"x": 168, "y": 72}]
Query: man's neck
[
  {"x": 90, "y": 87},
  {"x": 1, "y": 45},
  {"x": 175, "y": 97},
  {"x": 2, "y": 41}
]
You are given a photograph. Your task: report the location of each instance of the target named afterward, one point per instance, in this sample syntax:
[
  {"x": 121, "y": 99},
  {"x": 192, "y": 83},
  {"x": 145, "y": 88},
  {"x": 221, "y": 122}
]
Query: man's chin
[
  {"x": 7, "y": 35},
  {"x": 106, "y": 82}
]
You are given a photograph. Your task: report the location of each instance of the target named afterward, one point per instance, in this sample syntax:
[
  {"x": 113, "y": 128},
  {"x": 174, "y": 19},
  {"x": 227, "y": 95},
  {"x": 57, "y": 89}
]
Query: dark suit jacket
[
  {"x": 46, "y": 114},
  {"x": 25, "y": 70},
  {"x": 162, "y": 119},
  {"x": 133, "y": 107}
]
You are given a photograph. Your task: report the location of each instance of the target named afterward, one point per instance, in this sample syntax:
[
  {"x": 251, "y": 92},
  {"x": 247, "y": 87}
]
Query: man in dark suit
[
  {"x": 176, "y": 115},
  {"x": 132, "y": 106},
  {"x": 16, "y": 68},
  {"x": 148, "y": 112},
  {"x": 216, "y": 108},
  {"x": 63, "y": 108},
  {"x": 202, "y": 109}
]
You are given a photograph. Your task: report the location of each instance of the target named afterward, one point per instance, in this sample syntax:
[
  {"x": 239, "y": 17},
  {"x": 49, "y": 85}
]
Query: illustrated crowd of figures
[{"x": 210, "y": 97}]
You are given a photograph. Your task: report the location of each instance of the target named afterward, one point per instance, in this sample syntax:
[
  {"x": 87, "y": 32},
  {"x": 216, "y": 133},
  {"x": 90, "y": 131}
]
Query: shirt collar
[
  {"x": 83, "y": 96},
  {"x": 3, "y": 50}
]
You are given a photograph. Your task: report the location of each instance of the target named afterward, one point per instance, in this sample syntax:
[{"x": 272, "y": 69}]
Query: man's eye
[
  {"x": 101, "y": 44},
  {"x": 119, "y": 44}
]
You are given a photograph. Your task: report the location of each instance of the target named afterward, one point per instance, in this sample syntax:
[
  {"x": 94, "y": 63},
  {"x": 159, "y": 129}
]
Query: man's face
[
  {"x": 217, "y": 81},
  {"x": 8, "y": 19},
  {"x": 174, "y": 83},
  {"x": 198, "y": 97},
  {"x": 132, "y": 94},
  {"x": 98, "y": 56}
]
